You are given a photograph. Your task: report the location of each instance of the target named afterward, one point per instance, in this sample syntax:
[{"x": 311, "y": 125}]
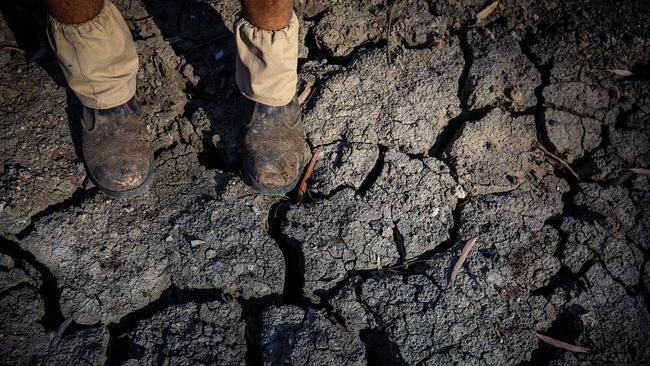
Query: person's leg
[
  {"x": 267, "y": 59},
  {"x": 74, "y": 11},
  {"x": 270, "y": 15},
  {"x": 97, "y": 55}
]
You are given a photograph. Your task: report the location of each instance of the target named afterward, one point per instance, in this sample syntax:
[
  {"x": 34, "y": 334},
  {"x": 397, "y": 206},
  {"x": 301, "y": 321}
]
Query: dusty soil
[{"x": 431, "y": 127}]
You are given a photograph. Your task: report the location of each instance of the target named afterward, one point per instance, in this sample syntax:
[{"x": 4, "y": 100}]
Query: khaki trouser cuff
[
  {"x": 267, "y": 62},
  {"x": 98, "y": 58}
]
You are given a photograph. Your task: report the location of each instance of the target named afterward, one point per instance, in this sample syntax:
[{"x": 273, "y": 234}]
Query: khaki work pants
[{"x": 100, "y": 62}]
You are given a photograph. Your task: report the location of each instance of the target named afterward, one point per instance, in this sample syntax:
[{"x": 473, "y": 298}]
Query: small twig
[
  {"x": 558, "y": 160},
  {"x": 306, "y": 92},
  {"x": 308, "y": 173},
  {"x": 408, "y": 263},
  {"x": 559, "y": 344},
  {"x": 389, "y": 5},
  {"x": 12, "y": 48}
]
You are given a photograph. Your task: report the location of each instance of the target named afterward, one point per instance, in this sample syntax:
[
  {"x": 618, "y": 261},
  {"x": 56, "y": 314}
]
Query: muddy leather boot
[
  {"x": 116, "y": 149},
  {"x": 274, "y": 147}
]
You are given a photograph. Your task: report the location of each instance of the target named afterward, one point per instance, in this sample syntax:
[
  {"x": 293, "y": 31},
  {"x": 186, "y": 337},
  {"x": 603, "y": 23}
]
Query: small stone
[
  {"x": 196, "y": 242},
  {"x": 210, "y": 253}
]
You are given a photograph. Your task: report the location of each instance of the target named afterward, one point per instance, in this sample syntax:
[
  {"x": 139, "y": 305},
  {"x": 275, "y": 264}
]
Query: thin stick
[
  {"x": 308, "y": 173},
  {"x": 558, "y": 159}
]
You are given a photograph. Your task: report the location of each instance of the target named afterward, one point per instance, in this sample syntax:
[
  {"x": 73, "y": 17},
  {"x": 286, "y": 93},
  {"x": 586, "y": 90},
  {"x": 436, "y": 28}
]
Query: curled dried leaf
[
  {"x": 640, "y": 171},
  {"x": 308, "y": 173},
  {"x": 559, "y": 344},
  {"x": 621, "y": 72},
  {"x": 461, "y": 260},
  {"x": 483, "y": 14}
]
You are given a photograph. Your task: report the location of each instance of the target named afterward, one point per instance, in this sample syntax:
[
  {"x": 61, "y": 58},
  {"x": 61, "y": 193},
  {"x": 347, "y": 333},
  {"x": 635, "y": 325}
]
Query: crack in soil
[
  {"x": 75, "y": 200},
  {"x": 49, "y": 290}
]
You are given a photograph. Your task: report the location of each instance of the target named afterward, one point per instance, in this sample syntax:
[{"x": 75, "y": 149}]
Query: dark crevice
[
  {"x": 564, "y": 278},
  {"x": 380, "y": 350},
  {"x": 163, "y": 149},
  {"x": 252, "y": 309},
  {"x": 420, "y": 264},
  {"x": 374, "y": 174},
  {"x": 567, "y": 327},
  {"x": 454, "y": 129},
  {"x": 545, "y": 76},
  {"x": 49, "y": 289},
  {"x": 294, "y": 259},
  {"x": 398, "y": 238},
  {"x": 312, "y": 197},
  {"x": 641, "y": 287},
  {"x": 453, "y": 231},
  {"x": 316, "y": 52},
  {"x": 369, "y": 180},
  {"x": 75, "y": 200},
  {"x": 455, "y": 126},
  {"x": 120, "y": 345},
  {"x": 328, "y": 294},
  {"x": 585, "y": 165},
  {"x": 464, "y": 86},
  {"x": 227, "y": 158}
]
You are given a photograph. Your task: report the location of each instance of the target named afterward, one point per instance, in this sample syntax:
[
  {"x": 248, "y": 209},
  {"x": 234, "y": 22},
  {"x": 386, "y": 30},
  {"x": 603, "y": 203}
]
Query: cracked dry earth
[{"x": 428, "y": 125}]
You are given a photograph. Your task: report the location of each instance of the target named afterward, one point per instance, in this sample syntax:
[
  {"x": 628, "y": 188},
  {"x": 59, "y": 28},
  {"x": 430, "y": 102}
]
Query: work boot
[
  {"x": 116, "y": 149},
  {"x": 274, "y": 147}
]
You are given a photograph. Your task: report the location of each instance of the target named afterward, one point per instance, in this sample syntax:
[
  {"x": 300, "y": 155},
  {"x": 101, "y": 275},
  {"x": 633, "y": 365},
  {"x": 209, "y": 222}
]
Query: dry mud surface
[{"x": 431, "y": 128}]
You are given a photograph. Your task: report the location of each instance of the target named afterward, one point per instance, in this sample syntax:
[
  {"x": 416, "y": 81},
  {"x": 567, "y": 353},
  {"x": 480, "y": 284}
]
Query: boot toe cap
[
  {"x": 121, "y": 175},
  {"x": 275, "y": 176}
]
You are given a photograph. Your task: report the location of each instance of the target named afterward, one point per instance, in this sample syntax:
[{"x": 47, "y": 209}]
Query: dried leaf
[
  {"x": 461, "y": 260},
  {"x": 559, "y": 344},
  {"x": 641, "y": 171},
  {"x": 63, "y": 327},
  {"x": 621, "y": 72},
  {"x": 487, "y": 11},
  {"x": 558, "y": 160},
  {"x": 308, "y": 173},
  {"x": 302, "y": 98}
]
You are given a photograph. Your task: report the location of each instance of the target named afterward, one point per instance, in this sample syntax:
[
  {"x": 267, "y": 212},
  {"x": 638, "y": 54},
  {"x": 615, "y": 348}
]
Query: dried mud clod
[
  {"x": 404, "y": 105},
  {"x": 351, "y": 232},
  {"x": 212, "y": 332},
  {"x": 293, "y": 336}
]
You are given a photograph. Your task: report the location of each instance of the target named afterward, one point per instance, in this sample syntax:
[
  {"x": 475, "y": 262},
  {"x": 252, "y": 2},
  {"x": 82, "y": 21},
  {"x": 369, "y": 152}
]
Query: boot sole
[{"x": 134, "y": 192}]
